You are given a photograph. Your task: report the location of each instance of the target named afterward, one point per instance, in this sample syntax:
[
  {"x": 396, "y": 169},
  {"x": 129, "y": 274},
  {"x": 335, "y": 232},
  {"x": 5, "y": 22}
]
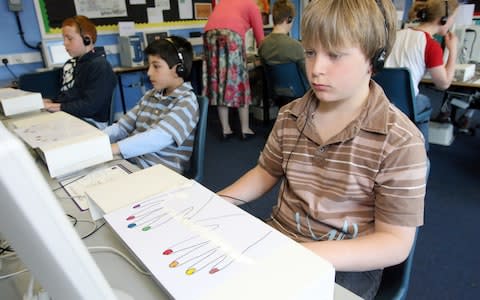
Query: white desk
[{"x": 117, "y": 271}]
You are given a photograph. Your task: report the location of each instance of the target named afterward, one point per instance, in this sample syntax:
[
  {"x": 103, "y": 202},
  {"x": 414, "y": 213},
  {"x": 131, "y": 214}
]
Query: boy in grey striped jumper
[{"x": 160, "y": 129}]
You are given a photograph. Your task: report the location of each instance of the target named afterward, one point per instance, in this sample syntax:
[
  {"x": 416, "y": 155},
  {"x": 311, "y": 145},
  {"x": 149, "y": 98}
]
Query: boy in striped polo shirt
[
  {"x": 161, "y": 127},
  {"x": 353, "y": 167}
]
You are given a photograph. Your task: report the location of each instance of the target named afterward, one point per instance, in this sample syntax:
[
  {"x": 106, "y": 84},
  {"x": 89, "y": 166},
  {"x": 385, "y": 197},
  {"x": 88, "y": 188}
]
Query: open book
[
  {"x": 199, "y": 246},
  {"x": 66, "y": 143},
  {"x": 15, "y": 101}
]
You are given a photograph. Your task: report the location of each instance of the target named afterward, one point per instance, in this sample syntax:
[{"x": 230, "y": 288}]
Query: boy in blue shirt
[{"x": 161, "y": 127}]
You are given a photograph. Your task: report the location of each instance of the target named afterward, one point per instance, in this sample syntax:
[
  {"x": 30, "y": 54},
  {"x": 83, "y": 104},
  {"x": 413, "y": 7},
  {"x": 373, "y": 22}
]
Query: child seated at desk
[
  {"x": 353, "y": 167},
  {"x": 88, "y": 78},
  {"x": 161, "y": 127}
]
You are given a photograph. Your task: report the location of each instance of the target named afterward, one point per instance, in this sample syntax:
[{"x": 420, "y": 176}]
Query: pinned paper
[{"x": 126, "y": 28}]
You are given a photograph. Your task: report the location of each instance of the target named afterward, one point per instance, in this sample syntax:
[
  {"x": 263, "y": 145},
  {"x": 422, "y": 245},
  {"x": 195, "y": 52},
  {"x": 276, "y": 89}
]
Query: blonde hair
[
  {"x": 429, "y": 10},
  {"x": 370, "y": 25}
]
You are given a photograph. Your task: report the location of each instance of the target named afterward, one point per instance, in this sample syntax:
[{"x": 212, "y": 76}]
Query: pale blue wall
[{"x": 12, "y": 43}]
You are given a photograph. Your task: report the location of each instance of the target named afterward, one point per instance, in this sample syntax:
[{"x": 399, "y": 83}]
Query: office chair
[
  {"x": 45, "y": 82},
  {"x": 398, "y": 86},
  {"x": 396, "y": 279},
  {"x": 197, "y": 160},
  {"x": 111, "y": 110},
  {"x": 285, "y": 82}
]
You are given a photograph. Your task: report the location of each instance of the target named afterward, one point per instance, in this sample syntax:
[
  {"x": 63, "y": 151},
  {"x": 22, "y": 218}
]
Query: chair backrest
[
  {"x": 285, "y": 80},
  {"x": 197, "y": 159},
  {"x": 396, "y": 279},
  {"x": 398, "y": 86},
  {"x": 47, "y": 82},
  {"x": 111, "y": 110}
]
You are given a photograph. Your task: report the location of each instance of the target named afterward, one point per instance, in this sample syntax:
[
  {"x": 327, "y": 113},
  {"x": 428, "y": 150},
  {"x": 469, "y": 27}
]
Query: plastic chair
[
  {"x": 396, "y": 279},
  {"x": 111, "y": 110},
  {"x": 398, "y": 86},
  {"x": 285, "y": 82},
  {"x": 197, "y": 160},
  {"x": 45, "y": 82}
]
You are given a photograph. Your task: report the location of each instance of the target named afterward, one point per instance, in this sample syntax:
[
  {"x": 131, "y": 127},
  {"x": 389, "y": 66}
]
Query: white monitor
[
  {"x": 35, "y": 225},
  {"x": 54, "y": 53}
]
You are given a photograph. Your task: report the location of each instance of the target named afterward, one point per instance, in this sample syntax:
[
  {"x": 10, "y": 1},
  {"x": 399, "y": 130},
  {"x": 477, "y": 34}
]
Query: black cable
[
  {"x": 19, "y": 24},
  {"x": 5, "y": 62},
  {"x": 96, "y": 229}
]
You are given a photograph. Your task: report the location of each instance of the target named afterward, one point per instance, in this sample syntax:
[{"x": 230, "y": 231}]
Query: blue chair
[
  {"x": 197, "y": 160},
  {"x": 396, "y": 279},
  {"x": 45, "y": 82},
  {"x": 398, "y": 86},
  {"x": 285, "y": 82}
]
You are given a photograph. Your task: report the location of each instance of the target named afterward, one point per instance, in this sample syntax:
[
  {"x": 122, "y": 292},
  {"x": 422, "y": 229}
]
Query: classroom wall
[{"x": 133, "y": 83}]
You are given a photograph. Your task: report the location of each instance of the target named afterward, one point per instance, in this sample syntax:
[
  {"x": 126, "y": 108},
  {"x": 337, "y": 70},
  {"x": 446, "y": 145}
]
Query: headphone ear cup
[
  {"x": 86, "y": 40},
  {"x": 289, "y": 19},
  {"x": 180, "y": 70},
  {"x": 422, "y": 14},
  {"x": 443, "y": 20},
  {"x": 378, "y": 60}
]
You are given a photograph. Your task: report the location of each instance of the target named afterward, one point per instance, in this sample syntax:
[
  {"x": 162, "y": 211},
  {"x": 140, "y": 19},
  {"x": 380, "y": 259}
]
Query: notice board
[{"x": 107, "y": 13}]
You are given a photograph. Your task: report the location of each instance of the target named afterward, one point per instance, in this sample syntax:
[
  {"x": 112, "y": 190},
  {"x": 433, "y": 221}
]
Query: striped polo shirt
[
  {"x": 375, "y": 168},
  {"x": 176, "y": 114}
]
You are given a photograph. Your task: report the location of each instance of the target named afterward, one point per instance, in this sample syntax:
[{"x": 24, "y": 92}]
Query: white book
[
  {"x": 66, "y": 144},
  {"x": 110, "y": 196},
  {"x": 197, "y": 245},
  {"x": 15, "y": 101}
]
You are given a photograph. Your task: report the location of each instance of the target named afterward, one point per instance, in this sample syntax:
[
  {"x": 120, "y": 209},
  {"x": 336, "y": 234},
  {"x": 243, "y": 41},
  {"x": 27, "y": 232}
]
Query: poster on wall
[{"x": 101, "y": 9}]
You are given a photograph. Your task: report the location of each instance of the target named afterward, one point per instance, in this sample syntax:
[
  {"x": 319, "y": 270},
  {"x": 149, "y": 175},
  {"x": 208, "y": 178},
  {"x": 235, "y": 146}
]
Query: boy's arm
[
  {"x": 388, "y": 245},
  {"x": 148, "y": 141},
  {"x": 250, "y": 186}
]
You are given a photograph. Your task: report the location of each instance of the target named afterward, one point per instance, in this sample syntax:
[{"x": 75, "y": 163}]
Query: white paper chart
[{"x": 198, "y": 246}]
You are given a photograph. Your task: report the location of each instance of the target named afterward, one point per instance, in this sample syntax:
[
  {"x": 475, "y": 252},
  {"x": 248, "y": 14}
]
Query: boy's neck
[{"x": 169, "y": 90}]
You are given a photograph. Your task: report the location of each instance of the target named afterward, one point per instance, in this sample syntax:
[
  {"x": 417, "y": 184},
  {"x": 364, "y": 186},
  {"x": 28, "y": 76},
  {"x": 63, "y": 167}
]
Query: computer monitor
[
  {"x": 35, "y": 225},
  {"x": 54, "y": 53}
]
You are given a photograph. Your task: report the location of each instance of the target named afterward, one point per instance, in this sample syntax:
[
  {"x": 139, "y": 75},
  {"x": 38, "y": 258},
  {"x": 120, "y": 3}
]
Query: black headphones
[
  {"x": 378, "y": 59},
  {"x": 289, "y": 19},
  {"x": 180, "y": 66},
  {"x": 86, "y": 40},
  {"x": 444, "y": 19}
]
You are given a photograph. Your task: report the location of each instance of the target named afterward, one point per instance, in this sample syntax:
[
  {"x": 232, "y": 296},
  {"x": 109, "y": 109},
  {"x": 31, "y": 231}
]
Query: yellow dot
[{"x": 190, "y": 271}]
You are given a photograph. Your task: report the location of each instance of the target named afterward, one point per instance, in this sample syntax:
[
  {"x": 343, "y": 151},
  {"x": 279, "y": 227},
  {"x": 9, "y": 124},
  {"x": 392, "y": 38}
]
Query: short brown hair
[
  {"x": 429, "y": 10},
  {"x": 282, "y": 9},
  {"x": 368, "y": 24},
  {"x": 84, "y": 26}
]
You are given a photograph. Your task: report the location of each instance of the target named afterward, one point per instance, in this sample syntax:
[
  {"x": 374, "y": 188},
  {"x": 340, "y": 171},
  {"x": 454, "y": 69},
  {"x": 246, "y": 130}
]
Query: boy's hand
[
  {"x": 115, "y": 149},
  {"x": 451, "y": 41},
  {"x": 50, "y": 105}
]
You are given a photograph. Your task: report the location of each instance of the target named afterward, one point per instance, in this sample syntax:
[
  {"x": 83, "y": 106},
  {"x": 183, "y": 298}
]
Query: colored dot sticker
[
  {"x": 131, "y": 225},
  {"x": 168, "y": 252},
  {"x": 146, "y": 228},
  {"x": 173, "y": 264},
  {"x": 213, "y": 270},
  {"x": 130, "y": 218},
  {"x": 190, "y": 271}
]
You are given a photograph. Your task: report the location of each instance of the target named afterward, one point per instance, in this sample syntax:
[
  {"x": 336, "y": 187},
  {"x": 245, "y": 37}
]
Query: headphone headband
[
  {"x": 378, "y": 60},
  {"x": 444, "y": 19},
  {"x": 86, "y": 40},
  {"x": 181, "y": 66}
]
